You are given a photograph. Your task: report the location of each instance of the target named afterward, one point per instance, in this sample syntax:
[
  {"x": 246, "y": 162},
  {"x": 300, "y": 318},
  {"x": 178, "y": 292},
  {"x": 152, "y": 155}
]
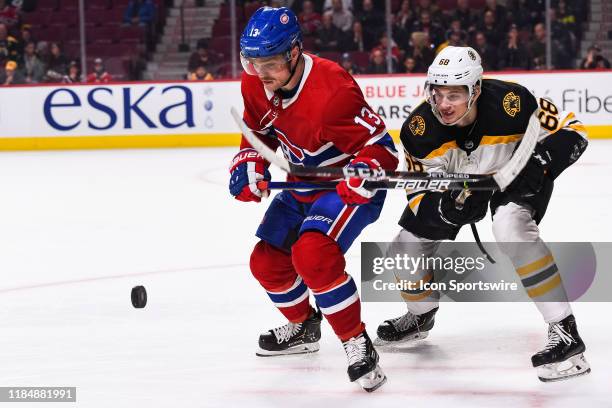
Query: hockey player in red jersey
[{"x": 315, "y": 112}]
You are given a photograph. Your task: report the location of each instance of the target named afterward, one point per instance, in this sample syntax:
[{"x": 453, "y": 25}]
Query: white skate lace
[
  {"x": 284, "y": 333},
  {"x": 404, "y": 322},
  {"x": 556, "y": 334},
  {"x": 355, "y": 349}
]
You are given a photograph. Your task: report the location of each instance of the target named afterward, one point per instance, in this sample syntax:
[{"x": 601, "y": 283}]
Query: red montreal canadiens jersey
[{"x": 326, "y": 123}]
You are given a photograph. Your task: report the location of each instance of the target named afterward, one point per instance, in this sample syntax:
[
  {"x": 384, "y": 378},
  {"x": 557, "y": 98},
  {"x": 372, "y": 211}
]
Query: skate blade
[
  {"x": 406, "y": 340},
  {"x": 373, "y": 380},
  {"x": 572, "y": 367},
  {"x": 300, "y": 349}
]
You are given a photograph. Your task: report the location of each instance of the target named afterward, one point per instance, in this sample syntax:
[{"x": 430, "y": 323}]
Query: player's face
[
  {"x": 272, "y": 71},
  {"x": 451, "y": 102}
]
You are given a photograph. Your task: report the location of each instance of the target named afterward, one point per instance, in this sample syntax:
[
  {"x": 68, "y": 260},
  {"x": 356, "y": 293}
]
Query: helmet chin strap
[{"x": 292, "y": 70}]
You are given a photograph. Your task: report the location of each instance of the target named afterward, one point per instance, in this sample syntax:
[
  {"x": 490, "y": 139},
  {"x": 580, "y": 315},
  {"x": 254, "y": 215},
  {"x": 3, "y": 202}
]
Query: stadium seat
[
  {"x": 446, "y": 5},
  {"x": 251, "y": 8},
  {"x": 360, "y": 58},
  {"x": 47, "y": 5},
  {"x": 330, "y": 55},
  {"x": 478, "y": 4},
  {"x": 221, "y": 45},
  {"x": 65, "y": 18}
]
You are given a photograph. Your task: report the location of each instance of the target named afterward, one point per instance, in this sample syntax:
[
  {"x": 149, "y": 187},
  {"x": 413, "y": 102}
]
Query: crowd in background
[
  {"x": 508, "y": 36},
  {"x": 25, "y": 59}
]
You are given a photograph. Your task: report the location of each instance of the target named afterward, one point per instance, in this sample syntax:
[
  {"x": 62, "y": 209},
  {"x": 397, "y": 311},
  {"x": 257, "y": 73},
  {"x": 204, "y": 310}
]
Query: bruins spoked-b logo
[
  {"x": 417, "y": 125},
  {"x": 512, "y": 104}
]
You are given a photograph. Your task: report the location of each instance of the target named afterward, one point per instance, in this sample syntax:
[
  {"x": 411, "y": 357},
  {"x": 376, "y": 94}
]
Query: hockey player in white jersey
[{"x": 471, "y": 125}]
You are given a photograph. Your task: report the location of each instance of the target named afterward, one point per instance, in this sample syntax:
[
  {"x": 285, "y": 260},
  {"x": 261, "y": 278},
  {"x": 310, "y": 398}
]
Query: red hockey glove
[
  {"x": 351, "y": 191},
  {"x": 247, "y": 168}
]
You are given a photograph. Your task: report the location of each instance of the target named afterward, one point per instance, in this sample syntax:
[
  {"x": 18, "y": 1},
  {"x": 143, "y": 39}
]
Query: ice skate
[
  {"x": 363, "y": 365},
  {"x": 562, "y": 356},
  {"x": 406, "y": 328},
  {"x": 292, "y": 338}
]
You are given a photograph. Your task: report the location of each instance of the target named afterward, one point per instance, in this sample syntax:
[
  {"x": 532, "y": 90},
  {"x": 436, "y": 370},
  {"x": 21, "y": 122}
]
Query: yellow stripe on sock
[
  {"x": 534, "y": 266},
  {"x": 545, "y": 288}
]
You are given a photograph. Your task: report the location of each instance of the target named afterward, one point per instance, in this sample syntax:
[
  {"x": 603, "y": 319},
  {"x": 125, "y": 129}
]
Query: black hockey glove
[
  {"x": 534, "y": 176},
  {"x": 458, "y": 207}
]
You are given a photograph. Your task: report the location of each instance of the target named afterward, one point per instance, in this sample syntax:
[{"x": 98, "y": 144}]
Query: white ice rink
[{"x": 79, "y": 229}]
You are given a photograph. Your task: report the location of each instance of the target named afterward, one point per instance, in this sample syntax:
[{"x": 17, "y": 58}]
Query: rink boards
[{"x": 189, "y": 114}]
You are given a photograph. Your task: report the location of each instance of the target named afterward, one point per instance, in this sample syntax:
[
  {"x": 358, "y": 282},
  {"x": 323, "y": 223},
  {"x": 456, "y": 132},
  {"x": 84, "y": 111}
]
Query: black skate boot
[
  {"x": 292, "y": 338},
  {"x": 405, "y": 328},
  {"x": 562, "y": 356},
  {"x": 363, "y": 363}
]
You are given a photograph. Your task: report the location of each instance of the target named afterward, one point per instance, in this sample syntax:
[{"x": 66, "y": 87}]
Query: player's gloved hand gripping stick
[{"x": 379, "y": 178}]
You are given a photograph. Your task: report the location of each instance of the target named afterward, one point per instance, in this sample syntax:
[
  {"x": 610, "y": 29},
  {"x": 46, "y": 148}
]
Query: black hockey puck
[{"x": 139, "y": 297}]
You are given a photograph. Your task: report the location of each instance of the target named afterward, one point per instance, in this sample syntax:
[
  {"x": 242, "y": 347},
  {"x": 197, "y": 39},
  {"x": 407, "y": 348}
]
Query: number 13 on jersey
[{"x": 366, "y": 117}]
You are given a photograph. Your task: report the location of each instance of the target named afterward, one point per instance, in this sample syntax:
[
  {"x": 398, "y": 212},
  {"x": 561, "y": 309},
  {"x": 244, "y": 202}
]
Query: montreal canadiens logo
[{"x": 284, "y": 19}]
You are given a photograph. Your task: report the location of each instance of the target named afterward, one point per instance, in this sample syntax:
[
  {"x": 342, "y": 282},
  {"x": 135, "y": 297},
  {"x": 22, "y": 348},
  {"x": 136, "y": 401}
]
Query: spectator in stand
[
  {"x": 402, "y": 24},
  {"x": 490, "y": 27},
  {"x": 464, "y": 14},
  {"x": 139, "y": 12},
  {"x": 354, "y": 41},
  {"x": 328, "y": 36},
  {"x": 455, "y": 37},
  {"x": 99, "y": 74},
  {"x": 32, "y": 67},
  {"x": 512, "y": 54},
  {"x": 378, "y": 63},
  {"x": 57, "y": 64},
  {"x": 566, "y": 17},
  {"x": 487, "y": 52},
  {"x": 342, "y": 18},
  {"x": 405, "y": 16},
  {"x": 409, "y": 66},
  {"x": 9, "y": 14},
  {"x": 74, "y": 74},
  {"x": 201, "y": 74},
  {"x": 9, "y": 48},
  {"x": 537, "y": 48},
  {"x": 426, "y": 25},
  {"x": 383, "y": 43},
  {"x": 310, "y": 20},
  {"x": 421, "y": 50},
  {"x": 25, "y": 37},
  {"x": 594, "y": 59},
  {"x": 434, "y": 12},
  {"x": 349, "y": 66},
  {"x": 525, "y": 13},
  {"x": 346, "y": 5},
  {"x": 199, "y": 56},
  {"x": 500, "y": 13},
  {"x": 563, "y": 43},
  {"x": 11, "y": 76},
  {"x": 373, "y": 23}
]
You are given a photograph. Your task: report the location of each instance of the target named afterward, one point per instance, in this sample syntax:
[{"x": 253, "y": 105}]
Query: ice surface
[{"x": 79, "y": 229}]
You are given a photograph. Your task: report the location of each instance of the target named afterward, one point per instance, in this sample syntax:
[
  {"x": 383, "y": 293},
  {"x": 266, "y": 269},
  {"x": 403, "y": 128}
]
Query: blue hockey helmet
[{"x": 270, "y": 31}]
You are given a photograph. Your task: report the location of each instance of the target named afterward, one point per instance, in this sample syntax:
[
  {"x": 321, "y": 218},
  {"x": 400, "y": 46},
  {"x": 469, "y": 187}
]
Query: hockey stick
[
  {"x": 431, "y": 181},
  {"x": 369, "y": 184}
]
